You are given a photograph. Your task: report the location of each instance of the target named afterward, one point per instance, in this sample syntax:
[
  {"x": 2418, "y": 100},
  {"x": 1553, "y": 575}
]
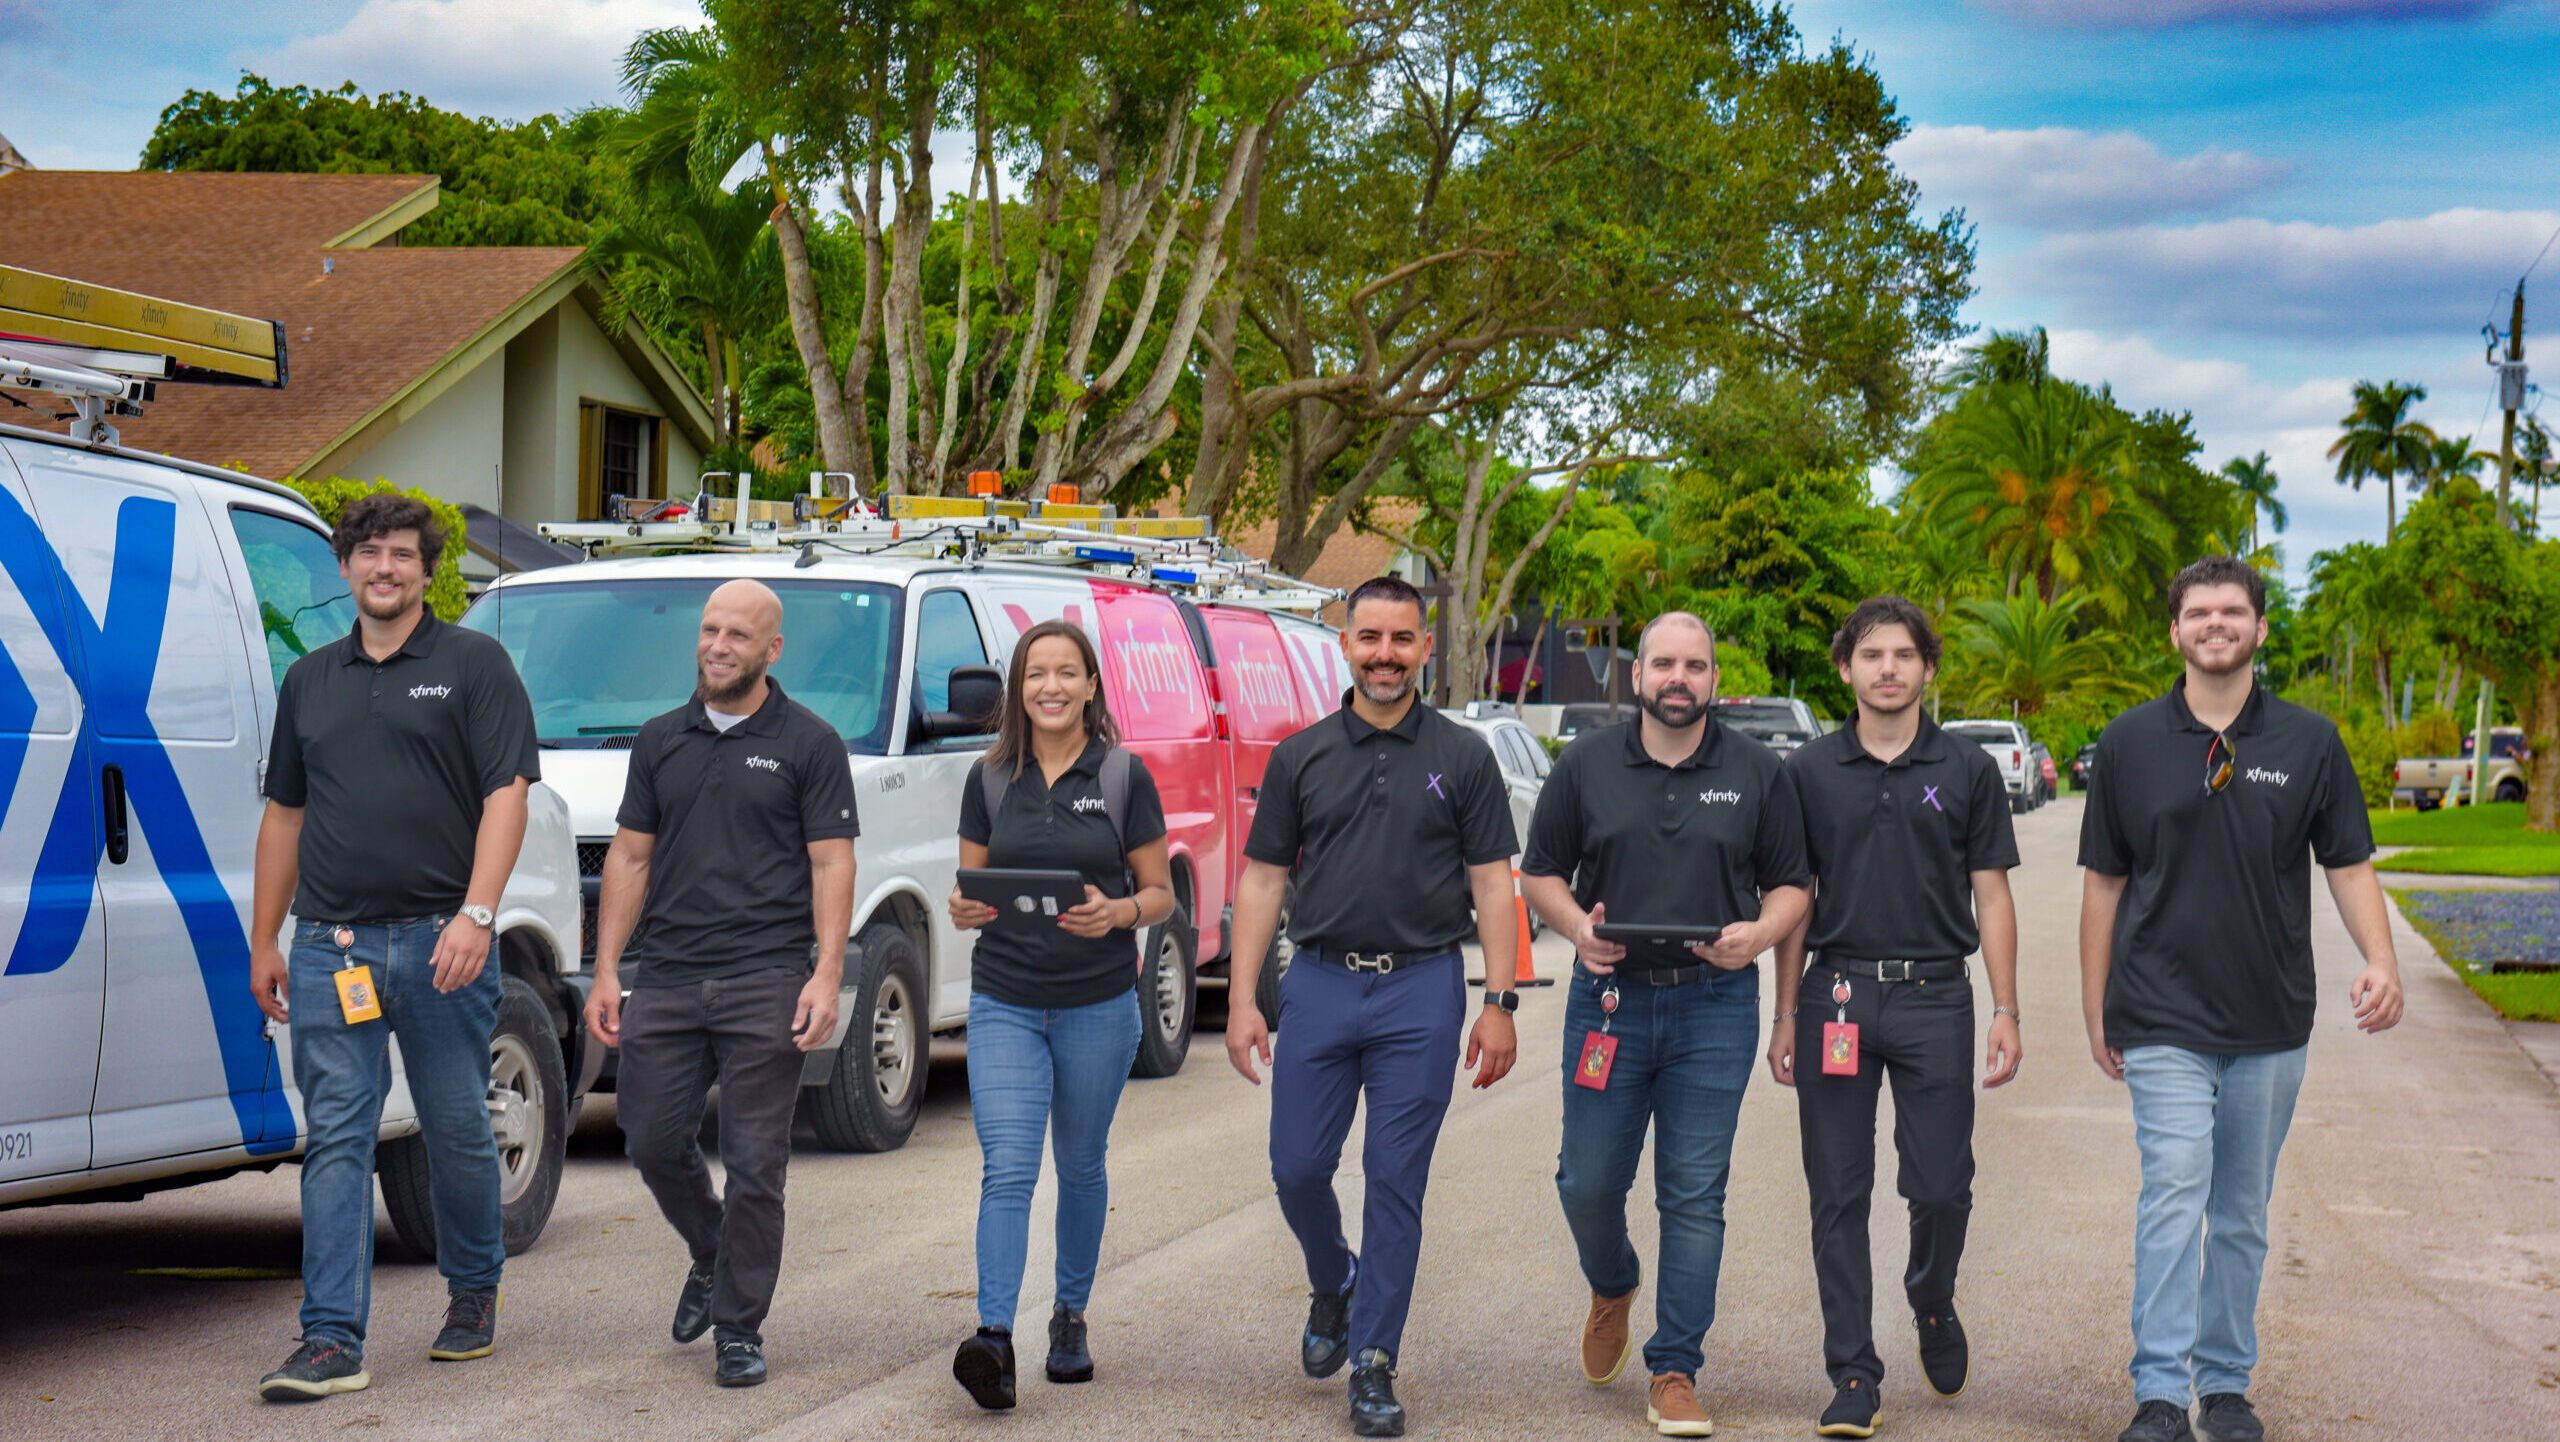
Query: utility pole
[{"x": 2511, "y": 398}]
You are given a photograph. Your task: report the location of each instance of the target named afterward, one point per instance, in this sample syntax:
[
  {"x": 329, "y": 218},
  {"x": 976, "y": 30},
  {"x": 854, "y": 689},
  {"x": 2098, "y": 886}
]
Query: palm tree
[
  {"x": 2533, "y": 461},
  {"x": 2447, "y": 457},
  {"x": 2005, "y": 357},
  {"x": 2381, "y": 441},
  {"x": 2256, "y": 478},
  {"x": 702, "y": 258},
  {"x": 2360, "y": 587},
  {"x": 2020, "y": 652}
]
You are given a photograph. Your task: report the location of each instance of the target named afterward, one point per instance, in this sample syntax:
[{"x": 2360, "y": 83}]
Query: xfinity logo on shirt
[
  {"x": 1087, "y": 803},
  {"x": 439, "y": 692},
  {"x": 2256, "y": 773},
  {"x": 1710, "y": 798},
  {"x": 764, "y": 762}
]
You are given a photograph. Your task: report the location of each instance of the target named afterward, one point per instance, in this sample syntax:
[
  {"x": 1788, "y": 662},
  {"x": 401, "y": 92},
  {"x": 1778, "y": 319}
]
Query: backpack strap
[
  {"x": 993, "y": 783},
  {"x": 1115, "y": 794}
]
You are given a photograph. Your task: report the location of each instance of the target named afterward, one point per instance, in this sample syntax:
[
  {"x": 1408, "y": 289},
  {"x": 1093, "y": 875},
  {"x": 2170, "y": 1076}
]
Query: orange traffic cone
[{"x": 1523, "y": 971}]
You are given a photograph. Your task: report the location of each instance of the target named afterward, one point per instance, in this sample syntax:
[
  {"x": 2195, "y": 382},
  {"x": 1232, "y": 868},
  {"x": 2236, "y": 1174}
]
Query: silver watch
[{"x": 487, "y": 919}]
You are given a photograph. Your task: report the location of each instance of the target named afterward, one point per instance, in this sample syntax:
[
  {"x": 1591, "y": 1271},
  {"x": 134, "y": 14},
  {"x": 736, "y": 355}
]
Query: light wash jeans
[
  {"x": 2209, "y": 1128},
  {"x": 345, "y": 1072},
  {"x": 1058, "y": 1070}
]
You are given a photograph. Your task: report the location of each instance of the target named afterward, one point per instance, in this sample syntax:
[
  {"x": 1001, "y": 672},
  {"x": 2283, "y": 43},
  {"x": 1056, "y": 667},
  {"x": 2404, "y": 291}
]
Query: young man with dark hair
[
  {"x": 396, "y": 789},
  {"x": 1908, "y": 833},
  {"x": 733, "y": 857},
  {"x": 1670, "y": 821},
  {"x": 2206, "y": 809},
  {"x": 1394, "y": 821}
]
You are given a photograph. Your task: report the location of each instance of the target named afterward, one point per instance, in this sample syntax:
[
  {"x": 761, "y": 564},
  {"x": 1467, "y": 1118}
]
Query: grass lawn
[
  {"x": 2467, "y": 840},
  {"x": 2476, "y": 926}
]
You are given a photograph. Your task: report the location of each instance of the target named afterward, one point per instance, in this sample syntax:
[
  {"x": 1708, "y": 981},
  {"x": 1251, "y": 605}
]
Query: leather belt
[
  {"x": 1382, "y": 962},
  {"x": 1655, "y": 975},
  {"x": 1896, "y": 969}
]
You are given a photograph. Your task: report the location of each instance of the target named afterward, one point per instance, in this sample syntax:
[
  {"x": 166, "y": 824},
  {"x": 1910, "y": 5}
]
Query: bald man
[
  {"x": 734, "y": 854},
  {"x": 1691, "y": 835}
]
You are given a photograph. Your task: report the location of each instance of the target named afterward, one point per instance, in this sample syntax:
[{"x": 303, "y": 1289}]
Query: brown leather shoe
[
  {"x": 1672, "y": 1407},
  {"x": 1606, "y": 1339}
]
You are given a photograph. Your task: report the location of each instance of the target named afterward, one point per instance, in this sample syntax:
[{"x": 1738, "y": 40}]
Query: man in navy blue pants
[{"x": 1393, "y": 823}]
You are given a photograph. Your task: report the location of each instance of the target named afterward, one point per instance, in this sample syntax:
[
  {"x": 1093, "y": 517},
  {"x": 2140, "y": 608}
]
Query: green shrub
[
  {"x": 2375, "y": 749},
  {"x": 446, "y": 594}
]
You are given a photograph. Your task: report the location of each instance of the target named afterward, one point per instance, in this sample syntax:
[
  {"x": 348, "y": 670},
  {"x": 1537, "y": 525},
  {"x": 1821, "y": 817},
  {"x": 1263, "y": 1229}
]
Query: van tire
[
  {"x": 1168, "y": 994},
  {"x": 1275, "y": 964},
  {"x": 871, "y": 1098},
  {"x": 525, "y": 1066}
]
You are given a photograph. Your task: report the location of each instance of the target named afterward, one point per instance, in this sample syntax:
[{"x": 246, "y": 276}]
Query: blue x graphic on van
[{"x": 113, "y": 664}]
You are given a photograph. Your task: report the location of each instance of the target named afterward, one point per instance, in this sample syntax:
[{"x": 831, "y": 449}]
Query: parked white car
[
  {"x": 2021, "y": 772},
  {"x": 148, "y": 609}
]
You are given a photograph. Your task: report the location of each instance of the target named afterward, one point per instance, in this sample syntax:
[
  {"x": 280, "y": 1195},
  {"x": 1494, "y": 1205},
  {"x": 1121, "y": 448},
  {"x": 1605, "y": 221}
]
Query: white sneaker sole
[
  {"x": 1677, "y": 1429},
  {"x": 289, "y": 1389}
]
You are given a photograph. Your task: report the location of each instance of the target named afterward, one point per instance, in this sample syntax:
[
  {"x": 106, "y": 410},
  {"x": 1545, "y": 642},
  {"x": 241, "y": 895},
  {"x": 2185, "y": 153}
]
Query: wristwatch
[
  {"x": 1507, "y": 1000},
  {"x": 487, "y": 919}
]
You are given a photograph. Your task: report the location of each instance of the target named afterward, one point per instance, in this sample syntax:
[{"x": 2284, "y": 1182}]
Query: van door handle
[{"x": 111, "y": 785}]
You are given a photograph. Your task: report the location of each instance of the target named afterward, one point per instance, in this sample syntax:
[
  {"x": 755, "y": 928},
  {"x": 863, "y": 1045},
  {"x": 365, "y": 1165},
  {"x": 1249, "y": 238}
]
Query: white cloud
[
  {"x": 2223, "y": 394},
  {"x": 2437, "y": 275},
  {"x": 508, "y": 58},
  {"x": 2168, "y": 14},
  {"x": 2053, "y": 177}
]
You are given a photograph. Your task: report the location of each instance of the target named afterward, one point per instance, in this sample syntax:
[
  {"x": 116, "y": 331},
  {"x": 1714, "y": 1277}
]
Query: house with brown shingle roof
[{"x": 480, "y": 374}]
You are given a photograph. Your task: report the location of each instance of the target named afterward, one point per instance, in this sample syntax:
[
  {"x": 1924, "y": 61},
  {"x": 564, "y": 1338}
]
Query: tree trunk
[
  {"x": 722, "y": 414},
  {"x": 1051, "y": 184},
  {"x": 1529, "y": 668},
  {"x": 2538, "y": 713},
  {"x": 2382, "y": 680},
  {"x": 866, "y": 333},
  {"x": 959, "y": 329},
  {"x": 808, "y": 326}
]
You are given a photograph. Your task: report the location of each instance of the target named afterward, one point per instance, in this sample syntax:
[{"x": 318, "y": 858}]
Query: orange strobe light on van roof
[
  {"x": 1065, "y": 493},
  {"x": 986, "y": 483}
]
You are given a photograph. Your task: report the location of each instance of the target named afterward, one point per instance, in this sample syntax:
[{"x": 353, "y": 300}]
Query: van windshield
[
  {"x": 1762, "y": 720},
  {"x": 599, "y": 658}
]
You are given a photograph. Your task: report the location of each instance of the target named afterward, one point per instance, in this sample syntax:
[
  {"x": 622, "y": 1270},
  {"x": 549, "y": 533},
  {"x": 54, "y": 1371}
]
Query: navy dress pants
[{"x": 1394, "y": 1038}]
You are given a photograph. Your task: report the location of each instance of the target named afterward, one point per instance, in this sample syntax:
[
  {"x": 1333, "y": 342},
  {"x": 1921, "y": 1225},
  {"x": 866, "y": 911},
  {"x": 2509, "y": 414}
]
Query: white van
[
  {"x": 148, "y": 608},
  {"x": 904, "y": 654}
]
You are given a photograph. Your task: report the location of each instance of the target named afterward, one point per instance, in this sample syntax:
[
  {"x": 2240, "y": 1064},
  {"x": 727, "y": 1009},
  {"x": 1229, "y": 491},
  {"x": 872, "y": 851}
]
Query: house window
[{"x": 621, "y": 452}]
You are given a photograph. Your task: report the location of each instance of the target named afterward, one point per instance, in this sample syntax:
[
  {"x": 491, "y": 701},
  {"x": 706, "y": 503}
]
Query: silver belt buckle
[
  {"x": 1885, "y": 971},
  {"x": 1381, "y": 962}
]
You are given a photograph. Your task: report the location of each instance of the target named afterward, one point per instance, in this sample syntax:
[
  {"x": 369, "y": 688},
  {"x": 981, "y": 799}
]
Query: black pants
[
  {"x": 677, "y": 1041},
  {"x": 1921, "y": 1033}
]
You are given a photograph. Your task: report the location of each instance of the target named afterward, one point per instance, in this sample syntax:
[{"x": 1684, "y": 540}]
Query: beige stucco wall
[
  {"x": 454, "y": 448},
  {"x": 552, "y": 365}
]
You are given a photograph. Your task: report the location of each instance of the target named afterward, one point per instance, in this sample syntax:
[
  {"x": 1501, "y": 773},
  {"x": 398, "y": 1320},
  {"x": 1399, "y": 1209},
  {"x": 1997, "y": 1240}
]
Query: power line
[{"x": 2538, "y": 255}]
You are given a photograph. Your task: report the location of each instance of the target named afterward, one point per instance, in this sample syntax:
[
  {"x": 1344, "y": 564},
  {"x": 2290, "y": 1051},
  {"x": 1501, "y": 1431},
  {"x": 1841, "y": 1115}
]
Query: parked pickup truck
[{"x": 2424, "y": 780}]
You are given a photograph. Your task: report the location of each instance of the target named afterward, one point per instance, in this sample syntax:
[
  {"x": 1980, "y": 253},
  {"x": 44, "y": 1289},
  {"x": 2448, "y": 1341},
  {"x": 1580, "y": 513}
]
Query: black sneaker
[
  {"x": 984, "y": 1367},
  {"x": 1068, "y": 1359},
  {"x": 1326, "y": 1344},
  {"x": 1375, "y": 1412},
  {"x": 2157, "y": 1421},
  {"x": 741, "y": 1362},
  {"x": 315, "y": 1370},
  {"x": 693, "y": 1303},
  {"x": 470, "y": 1326},
  {"x": 1855, "y": 1410},
  {"x": 1945, "y": 1358},
  {"x": 2228, "y": 1417}
]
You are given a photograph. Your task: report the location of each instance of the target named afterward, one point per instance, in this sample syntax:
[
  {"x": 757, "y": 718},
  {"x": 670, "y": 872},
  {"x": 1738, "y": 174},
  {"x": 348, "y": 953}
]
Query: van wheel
[
  {"x": 1167, "y": 995},
  {"x": 1275, "y": 964},
  {"x": 2510, "y": 790},
  {"x": 869, "y": 1103},
  {"x": 528, "y": 1114}
]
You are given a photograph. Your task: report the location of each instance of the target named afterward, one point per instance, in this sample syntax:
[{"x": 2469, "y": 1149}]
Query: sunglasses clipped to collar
[{"x": 2220, "y": 762}]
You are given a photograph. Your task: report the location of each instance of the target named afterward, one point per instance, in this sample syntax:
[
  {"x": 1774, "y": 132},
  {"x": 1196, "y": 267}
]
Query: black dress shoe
[
  {"x": 693, "y": 1304},
  {"x": 1326, "y": 1344},
  {"x": 1375, "y": 1412},
  {"x": 1068, "y": 1359},
  {"x": 1945, "y": 1356},
  {"x": 984, "y": 1366},
  {"x": 741, "y": 1363}
]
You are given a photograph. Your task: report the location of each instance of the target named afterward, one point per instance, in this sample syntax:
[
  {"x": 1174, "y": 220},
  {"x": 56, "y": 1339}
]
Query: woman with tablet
[{"x": 1053, "y": 1012}]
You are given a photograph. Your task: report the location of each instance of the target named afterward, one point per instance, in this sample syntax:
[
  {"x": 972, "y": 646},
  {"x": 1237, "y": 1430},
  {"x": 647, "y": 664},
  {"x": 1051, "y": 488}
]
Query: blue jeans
[
  {"x": 1684, "y": 1055},
  {"x": 1395, "y": 1038},
  {"x": 2209, "y": 1128},
  {"x": 345, "y": 1072},
  {"x": 1032, "y": 1069}
]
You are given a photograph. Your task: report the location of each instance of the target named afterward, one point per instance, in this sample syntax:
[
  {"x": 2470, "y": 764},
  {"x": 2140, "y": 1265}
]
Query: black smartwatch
[{"x": 1507, "y": 1000}]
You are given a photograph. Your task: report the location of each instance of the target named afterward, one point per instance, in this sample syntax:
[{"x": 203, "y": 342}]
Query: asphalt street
[{"x": 2412, "y": 1287}]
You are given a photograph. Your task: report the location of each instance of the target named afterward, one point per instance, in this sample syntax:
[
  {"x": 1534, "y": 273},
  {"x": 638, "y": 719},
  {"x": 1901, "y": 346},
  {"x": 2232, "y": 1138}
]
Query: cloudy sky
[{"x": 2231, "y": 207}]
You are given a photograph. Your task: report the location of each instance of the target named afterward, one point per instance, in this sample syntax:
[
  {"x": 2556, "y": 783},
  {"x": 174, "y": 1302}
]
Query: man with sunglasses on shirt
[{"x": 2206, "y": 809}]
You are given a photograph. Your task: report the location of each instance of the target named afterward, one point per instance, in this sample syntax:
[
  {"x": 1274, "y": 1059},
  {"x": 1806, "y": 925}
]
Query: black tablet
[
  {"x": 1023, "y": 895},
  {"x": 1629, "y": 933}
]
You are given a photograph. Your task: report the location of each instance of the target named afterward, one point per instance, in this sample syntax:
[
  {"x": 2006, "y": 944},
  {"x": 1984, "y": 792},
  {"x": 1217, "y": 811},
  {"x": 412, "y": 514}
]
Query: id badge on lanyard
[
  {"x": 1599, "y": 1049},
  {"x": 357, "y": 1000},
  {"x": 1840, "y": 1038}
]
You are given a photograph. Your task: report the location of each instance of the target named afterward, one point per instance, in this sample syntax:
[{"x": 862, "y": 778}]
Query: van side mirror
[{"x": 976, "y": 693}]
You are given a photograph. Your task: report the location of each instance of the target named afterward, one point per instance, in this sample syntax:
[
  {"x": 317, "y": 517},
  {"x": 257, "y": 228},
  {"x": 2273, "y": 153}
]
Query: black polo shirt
[
  {"x": 1895, "y": 843},
  {"x": 1689, "y": 845},
  {"x": 1379, "y": 828},
  {"x": 391, "y": 762},
  {"x": 1066, "y": 827},
  {"x": 2212, "y": 946},
  {"x": 734, "y": 813}
]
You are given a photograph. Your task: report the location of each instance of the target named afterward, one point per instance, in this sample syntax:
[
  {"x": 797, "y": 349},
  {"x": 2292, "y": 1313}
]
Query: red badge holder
[
  {"x": 1840, "y": 1038},
  {"x": 1599, "y": 1049}
]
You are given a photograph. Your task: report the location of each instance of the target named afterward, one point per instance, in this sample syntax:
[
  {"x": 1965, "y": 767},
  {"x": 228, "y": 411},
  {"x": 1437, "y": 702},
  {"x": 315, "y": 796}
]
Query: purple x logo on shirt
[
  {"x": 1434, "y": 784},
  {"x": 1930, "y": 797}
]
